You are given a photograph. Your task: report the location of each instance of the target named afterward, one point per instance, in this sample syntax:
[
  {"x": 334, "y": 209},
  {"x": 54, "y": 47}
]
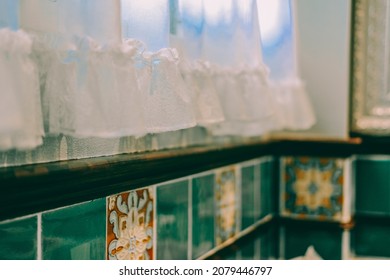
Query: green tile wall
[
  {"x": 372, "y": 186},
  {"x": 202, "y": 215},
  {"x": 18, "y": 240},
  {"x": 172, "y": 221},
  {"x": 76, "y": 232},
  {"x": 269, "y": 242},
  {"x": 372, "y": 239},
  {"x": 268, "y": 188},
  {"x": 187, "y": 219},
  {"x": 325, "y": 239},
  {"x": 248, "y": 183}
]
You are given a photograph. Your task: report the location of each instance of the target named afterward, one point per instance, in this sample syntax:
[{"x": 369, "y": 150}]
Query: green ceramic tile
[
  {"x": 18, "y": 240},
  {"x": 248, "y": 250},
  {"x": 373, "y": 186},
  {"x": 248, "y": 196},
  {"x": 372, "y": 239},
  {"x": 267, "y": 188},
  {"x": 268, "y": 239},
  {"x": 172, "y": 221},
  {"x": 75, "y": 233},
  {"x": 325, "y": 239},
  {"x": 202, "y": 215}
]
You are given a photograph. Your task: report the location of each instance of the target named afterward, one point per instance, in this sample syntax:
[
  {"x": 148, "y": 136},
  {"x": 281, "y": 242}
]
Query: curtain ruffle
[
  {"x": 21, "y": 124},
  {"x": 87, "y": 89},
  {"x": 293, "y": 107}
]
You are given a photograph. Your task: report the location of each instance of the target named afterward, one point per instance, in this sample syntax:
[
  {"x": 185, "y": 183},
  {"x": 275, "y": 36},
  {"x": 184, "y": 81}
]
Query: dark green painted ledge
[{"x": 34, "y": 188}]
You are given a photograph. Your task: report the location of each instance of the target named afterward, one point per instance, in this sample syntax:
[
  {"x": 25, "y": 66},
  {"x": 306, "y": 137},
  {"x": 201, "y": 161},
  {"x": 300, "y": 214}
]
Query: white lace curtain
[{"x": 98, "y": 68}]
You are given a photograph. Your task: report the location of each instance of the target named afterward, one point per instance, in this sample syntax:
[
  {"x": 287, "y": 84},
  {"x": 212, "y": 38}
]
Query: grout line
[
  {"x": 238, "y": 206},
  {"x": 347, "y": 191},
  {"x": 282, "y": 243},
  {"x": 189, "y": 226},
  {"x": 257, "y": 185},
  {"x": 205, "y": 173},
  {"x": 345, "y": 245},
  {"x": 173, "y": 181},
  {"x": 39, "y": 236},
  {"x": 372, "y": 157},
  {"x": 258, "y": 249},
  {"x": 106, "y": 223},
  {"x": 155, "y": 222},
  {"x": 18, "y": 218},
  {"x": 281, "y": 185}
]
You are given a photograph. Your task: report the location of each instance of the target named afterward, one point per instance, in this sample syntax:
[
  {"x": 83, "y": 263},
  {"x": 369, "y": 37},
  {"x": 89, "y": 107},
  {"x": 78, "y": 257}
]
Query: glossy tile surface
[
  {"x": 172, "y": 221},
  {"x": 372, "y": 186},
  {"x": 248, "y": 197},
  {"x": 312, "y": 188},
  {"x": 74, "y": 233},
  {"x": 267, "y": 188},
  {"x": 202, "y": 215},
  {"x": 18, "y": 240},
  {"x": 226, "y": 204},
  {"x": 371, "y": 239},
  {"x": 325, "y": 239},
  {"x": 130, "y": 224}
]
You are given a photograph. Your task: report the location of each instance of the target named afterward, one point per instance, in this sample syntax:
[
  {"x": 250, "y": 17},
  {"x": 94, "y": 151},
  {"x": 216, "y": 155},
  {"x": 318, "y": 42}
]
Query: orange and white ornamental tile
[{"x": 130, "y": 225}]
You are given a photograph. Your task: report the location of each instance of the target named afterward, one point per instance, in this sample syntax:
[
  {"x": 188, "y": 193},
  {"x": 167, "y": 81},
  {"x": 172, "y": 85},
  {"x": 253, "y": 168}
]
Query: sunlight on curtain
[
  {"x": 165, "y": 97},
  {"x": 231, "y": 41},
  {"x": 109, "y": 69},
  {"x": 147, "y": 21},
  {"x": 294, "y": 110},
  {"x": 9, "y": 14},
  {"x": 21, "y": 124}
]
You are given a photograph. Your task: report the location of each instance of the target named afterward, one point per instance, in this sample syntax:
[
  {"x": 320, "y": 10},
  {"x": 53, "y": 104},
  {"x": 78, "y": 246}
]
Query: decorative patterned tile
[
  {"x": 172, "y": 221},
  {"x": 202, "y": 215},
  {"x": 316, "y": 188},
  {"x": 75, "y": 233},
  {"x": 226, "y": 205},
  {"x": 248, "y": 197},
  {"x": 326, "y": 240},
  {"x": 130, "y": 222},
  {"x": 18, "y": 240},
  {"x": 373, "y": 186}
]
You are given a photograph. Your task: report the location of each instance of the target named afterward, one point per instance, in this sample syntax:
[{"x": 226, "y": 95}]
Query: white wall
[{"x": 323, "y": 30}]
